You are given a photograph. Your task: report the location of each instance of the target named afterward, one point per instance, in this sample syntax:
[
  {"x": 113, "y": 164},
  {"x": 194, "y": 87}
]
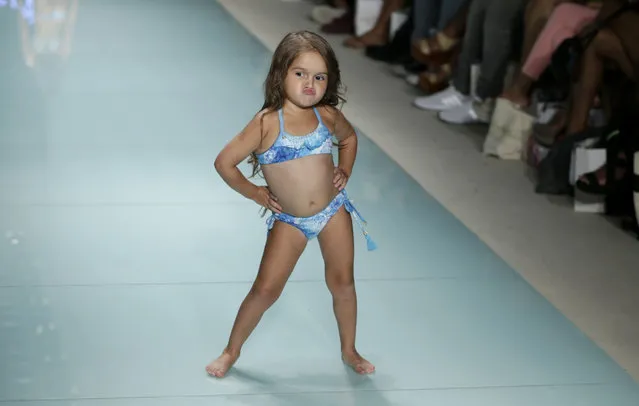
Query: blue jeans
[{"x": 433, "y": 15}]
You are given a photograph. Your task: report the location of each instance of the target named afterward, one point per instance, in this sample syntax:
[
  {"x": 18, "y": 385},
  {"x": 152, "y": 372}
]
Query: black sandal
[{"x": 592, "y": 185}]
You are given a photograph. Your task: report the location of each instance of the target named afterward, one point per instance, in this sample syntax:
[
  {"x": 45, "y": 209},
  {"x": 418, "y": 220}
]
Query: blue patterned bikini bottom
[{"x": 312, "y": 226}]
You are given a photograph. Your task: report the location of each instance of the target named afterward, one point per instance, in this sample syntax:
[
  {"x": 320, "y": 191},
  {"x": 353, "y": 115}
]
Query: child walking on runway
[{"x": 291, "y": 142}]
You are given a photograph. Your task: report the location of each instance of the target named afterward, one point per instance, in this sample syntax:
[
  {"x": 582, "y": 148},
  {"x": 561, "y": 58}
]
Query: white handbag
[{"x": 509, "y": 131}]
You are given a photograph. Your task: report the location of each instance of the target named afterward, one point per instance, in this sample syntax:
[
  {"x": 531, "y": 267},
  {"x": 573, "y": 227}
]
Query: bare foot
[
  {"x": 359, "y": 364},
  {"x": 221, "y": 365},
  {"x": 371, "y": 38}
]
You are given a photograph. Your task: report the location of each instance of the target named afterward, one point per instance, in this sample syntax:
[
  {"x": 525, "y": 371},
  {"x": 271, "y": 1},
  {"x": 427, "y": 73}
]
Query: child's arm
[
  {"x": 235, "y": 152},
  {"x": 347, "y": 147}
]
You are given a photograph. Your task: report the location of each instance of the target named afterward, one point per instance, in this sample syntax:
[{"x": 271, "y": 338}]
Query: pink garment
[{"x": 566, "y": 20}]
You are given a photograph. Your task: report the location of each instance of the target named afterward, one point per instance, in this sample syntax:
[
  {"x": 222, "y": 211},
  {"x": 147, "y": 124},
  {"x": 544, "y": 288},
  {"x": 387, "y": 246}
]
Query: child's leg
[
  {"x": 336, "y": 243},
  {"x": 284, "y": 245}
]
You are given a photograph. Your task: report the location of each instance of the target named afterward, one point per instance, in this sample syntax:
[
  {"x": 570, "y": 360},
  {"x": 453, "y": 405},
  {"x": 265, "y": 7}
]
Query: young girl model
[{"x": 305, "y": 191}]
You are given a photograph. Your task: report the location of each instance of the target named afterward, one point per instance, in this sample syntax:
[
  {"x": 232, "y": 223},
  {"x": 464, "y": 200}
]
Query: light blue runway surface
[{"x": 124, "y": 256}]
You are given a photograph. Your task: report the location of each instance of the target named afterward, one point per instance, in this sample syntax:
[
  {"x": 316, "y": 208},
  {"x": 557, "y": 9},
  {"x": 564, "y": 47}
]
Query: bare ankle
[
  {"x": 350, "y": 350},
  {"x": 233, "y": 352}
]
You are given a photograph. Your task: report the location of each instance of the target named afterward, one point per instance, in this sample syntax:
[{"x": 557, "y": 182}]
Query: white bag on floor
[
  {"x": 509, "y": 131},
  {"x": 586, "y": 160},
  {"x": 398, "y": 18},
  {"x": 366, "y": 13}
]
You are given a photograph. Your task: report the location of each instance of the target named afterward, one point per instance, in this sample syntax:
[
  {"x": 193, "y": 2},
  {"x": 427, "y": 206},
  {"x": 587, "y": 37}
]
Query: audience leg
[
  {"x": 378, "y": 35},
  {"x": 565, "y": 21}
]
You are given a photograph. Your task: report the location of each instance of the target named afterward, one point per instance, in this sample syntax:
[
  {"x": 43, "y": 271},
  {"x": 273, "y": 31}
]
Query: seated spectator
[
  {"x": 490, "y": 35},
  {"x": 438, "y": 51},
  {"x": 566, "y": 20},
  {"x": 615, "y": 45}
]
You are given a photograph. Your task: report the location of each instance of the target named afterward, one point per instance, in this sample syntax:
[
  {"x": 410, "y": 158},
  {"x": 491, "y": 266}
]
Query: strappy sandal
[
  {"x": 433, "y": 82},
  {"x": 589, "y": 182},
  {"x": 440, "y": 43},
  {"x": 437, "y": 50}
]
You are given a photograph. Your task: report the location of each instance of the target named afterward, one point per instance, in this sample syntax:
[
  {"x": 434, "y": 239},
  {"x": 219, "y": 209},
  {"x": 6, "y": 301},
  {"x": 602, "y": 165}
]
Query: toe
[
  {"x": 368, "y": 368},
  {"x": 213, "y": 371}
]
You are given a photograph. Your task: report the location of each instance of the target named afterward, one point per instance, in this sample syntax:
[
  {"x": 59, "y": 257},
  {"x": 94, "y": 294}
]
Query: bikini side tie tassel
[{"x": 370, "y": 244}]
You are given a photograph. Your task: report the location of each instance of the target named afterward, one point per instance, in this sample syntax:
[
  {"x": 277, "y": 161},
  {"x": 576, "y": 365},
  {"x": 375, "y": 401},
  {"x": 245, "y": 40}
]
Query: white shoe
[
  {"x": 326, "y": 14},
  {"x": 471, "y": 112},
  {"x": 398, "y": 70},
  {"x": 444, "y": 100},
  {"x": 412, "y": 79}
]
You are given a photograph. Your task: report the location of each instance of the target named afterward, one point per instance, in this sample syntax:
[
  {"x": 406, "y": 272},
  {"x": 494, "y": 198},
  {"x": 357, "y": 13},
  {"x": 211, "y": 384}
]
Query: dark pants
[
  {"x": 493, "y": 35},
  {"x": 352, "y": 4}
]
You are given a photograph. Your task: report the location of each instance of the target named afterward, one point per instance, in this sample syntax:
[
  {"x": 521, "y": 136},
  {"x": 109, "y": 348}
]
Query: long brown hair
[{"x": 291, "y": 46}]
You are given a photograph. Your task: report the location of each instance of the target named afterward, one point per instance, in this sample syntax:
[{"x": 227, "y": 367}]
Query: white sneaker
[
  {"x": 444, "y": 100},
  {"x": 412, "y": 79},
  {"x": 326, "y": 14},
  {"x": 470, "y": 112},
  {"x": 398, "y": 70}
]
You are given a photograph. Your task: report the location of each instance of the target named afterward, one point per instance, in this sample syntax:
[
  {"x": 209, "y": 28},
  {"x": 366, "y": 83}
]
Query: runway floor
[{"x": 125, "y": 257}]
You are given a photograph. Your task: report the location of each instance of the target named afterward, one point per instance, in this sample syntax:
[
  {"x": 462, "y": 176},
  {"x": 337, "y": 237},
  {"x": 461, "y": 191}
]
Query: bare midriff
[{"x": 303, "y": 186}]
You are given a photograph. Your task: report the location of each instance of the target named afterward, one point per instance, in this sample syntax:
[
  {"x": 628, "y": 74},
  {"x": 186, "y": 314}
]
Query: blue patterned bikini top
[{"x": 288, "y": 147}]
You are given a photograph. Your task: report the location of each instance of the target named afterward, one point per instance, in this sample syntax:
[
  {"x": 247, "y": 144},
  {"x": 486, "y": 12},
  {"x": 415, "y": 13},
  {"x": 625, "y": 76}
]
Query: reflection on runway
[
  {"x": 25, "y": 7},
  {"x": 46, "y": 28}
]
